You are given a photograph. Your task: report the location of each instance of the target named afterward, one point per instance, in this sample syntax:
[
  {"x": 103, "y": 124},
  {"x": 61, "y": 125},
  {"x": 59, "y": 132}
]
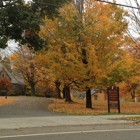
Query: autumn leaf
[{"x": 7, "y": 101}]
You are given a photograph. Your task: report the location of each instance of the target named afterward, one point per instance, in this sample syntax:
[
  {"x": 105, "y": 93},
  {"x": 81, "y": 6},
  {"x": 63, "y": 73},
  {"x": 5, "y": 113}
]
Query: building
[
  {"x": 17, "y": 81},
  {"x": 98, "y": 95}
]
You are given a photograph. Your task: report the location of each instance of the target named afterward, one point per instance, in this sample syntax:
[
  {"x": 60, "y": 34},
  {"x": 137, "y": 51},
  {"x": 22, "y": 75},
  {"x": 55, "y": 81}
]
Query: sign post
[{"x": 113, "y": 98}]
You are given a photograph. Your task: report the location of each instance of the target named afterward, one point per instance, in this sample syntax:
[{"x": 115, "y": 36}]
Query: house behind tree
[{"x": 18, "y": 86}]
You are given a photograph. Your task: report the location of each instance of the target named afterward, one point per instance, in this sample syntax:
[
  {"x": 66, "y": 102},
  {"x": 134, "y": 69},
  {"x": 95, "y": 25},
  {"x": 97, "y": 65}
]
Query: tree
[
  {"x": 15, "y": 18},
  {"x": 49, "y": 81},
  {"x": 134, "y": 48},
  {"x": 48, "y": 8},
  {"x": 20, "y": 21},
  {"x": 79, "y": 5},
  {"x": 133, "y": 64},
  {"x": 6, "y": 62},
  {"x": 134, "y": 26},
  {"x": 63, "y": 58},
  {"x": 23, "y": 61},
  {"x": 106, "y": 40},
  {"x": 84, "y": 47}
]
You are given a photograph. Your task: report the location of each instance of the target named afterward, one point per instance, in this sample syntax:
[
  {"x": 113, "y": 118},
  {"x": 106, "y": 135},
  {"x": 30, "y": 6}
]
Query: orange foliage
[{"x": 5, "y": 84}]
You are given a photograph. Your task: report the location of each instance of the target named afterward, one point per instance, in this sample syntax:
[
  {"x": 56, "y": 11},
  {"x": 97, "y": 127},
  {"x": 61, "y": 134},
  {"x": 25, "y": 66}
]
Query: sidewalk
[{"x": 16, "y": 123}]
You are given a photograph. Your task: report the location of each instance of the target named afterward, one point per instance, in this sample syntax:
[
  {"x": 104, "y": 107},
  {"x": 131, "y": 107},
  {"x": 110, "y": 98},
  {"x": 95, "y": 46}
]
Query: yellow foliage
[
  {"x": 25, "y": 62},
  {"x": 83, "y": 48}
]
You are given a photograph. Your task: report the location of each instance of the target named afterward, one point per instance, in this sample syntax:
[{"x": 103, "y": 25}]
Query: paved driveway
[{"x": 27, "y": 107}]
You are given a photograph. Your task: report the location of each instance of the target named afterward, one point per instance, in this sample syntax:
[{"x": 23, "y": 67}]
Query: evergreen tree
[{"x": 22, "y": 21}]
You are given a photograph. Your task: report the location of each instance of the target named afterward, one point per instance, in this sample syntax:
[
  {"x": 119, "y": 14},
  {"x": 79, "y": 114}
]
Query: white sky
[{"x": 126, "y": 2}]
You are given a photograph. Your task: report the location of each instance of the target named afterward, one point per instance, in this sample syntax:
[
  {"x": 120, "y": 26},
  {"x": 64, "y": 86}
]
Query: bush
[
  {"x": 5, "y": 84},
  {"x": 11, "y": 93},
  {"x": 39, "y": 95},
  {"x": 128, "y": 98},
  {"x": 28, "y": 94},
  {"x": 2, "y": 92}
]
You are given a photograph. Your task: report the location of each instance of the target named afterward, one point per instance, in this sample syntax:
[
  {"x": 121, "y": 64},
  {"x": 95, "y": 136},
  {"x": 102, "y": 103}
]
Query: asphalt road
[
  {"x": 27, "y": 107},
  {"x": 37, "y": 107},
  {"x": 96, "y": 132}
]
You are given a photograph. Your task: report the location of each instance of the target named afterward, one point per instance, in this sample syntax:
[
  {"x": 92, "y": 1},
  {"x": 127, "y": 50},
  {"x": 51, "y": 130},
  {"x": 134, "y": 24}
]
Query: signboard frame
[{"x": 113, "y": 98}]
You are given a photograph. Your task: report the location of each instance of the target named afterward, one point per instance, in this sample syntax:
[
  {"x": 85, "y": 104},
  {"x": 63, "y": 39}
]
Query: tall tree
[
  {"x": 84, "y": 47},
  {"x": 106, "y": 39},
  {"x": 63, "y": 58}
]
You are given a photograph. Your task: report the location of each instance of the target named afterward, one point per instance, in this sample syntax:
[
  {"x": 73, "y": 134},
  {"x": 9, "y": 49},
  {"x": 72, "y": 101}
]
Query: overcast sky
[{"x": 125, "y": 2}]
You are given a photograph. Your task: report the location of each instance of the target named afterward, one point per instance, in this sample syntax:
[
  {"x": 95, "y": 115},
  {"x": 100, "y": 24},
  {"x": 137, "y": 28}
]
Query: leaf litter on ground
[
  {"x": 78, "y": 107},
  {"x": 8, "y": 101}
]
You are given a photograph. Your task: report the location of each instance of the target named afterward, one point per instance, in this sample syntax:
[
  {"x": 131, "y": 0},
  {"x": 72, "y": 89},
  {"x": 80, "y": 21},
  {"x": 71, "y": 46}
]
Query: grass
[
  {"x": 78, "y": 107},
  {"x": 7, "y": 101}
]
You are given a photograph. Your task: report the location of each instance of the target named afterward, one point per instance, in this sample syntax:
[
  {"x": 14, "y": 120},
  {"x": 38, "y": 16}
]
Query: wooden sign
[{"x": 113, "y": 98}]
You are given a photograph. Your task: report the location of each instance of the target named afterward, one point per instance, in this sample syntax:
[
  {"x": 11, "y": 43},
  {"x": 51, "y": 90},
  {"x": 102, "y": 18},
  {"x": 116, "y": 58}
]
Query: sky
[
  {"x": 125, "y": 2},
  {"x": 122, "y": 1}
]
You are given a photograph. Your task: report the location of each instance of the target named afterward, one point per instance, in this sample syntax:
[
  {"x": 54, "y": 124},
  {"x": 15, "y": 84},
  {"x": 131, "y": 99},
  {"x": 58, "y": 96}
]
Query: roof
[{"x": 16, "y": 78}]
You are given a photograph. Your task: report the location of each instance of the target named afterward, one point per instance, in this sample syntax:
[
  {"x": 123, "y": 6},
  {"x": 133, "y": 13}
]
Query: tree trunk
[
  {"x": 63, "y": 92},
  {"x": 67, "y": 94},
  {"x": 80, "y": 6},
  {"x": 57, "y": 84},
  {"x": 133, "y": 93},
  {"x": 33, "y": 90},
  {"x": 88, "y": 99}
]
